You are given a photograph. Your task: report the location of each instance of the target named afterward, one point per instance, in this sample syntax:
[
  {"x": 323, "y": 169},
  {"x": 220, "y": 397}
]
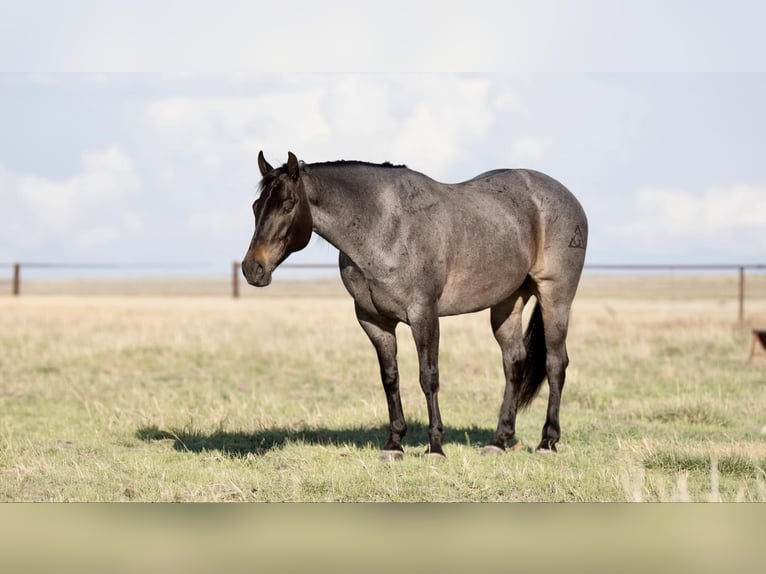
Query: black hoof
[
  {"x": 434, "y": 452},
  {"x": 546, "y": 447}
]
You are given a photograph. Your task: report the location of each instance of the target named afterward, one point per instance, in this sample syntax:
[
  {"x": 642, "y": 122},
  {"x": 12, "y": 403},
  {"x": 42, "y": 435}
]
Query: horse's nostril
[{"x": 258, "y": 270}]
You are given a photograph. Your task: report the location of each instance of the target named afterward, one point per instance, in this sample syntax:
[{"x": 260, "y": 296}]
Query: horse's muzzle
[{"x": 256, "y": 272}]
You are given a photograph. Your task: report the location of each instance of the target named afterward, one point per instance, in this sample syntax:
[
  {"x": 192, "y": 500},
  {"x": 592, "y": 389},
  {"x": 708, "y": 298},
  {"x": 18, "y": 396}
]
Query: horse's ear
[
  {"x": 263, "y": 165},
  {"x": 292, "y": 165}
]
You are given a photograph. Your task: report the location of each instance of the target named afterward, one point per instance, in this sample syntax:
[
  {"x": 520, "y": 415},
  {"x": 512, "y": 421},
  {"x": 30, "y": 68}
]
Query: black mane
[
  {"x": 273, "y": 175},
  {"x": 344, "y": 162}
]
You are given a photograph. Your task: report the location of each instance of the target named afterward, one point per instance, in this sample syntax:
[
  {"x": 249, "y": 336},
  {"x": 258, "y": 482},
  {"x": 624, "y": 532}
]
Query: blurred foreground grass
[{"x": 352, "y": 538}]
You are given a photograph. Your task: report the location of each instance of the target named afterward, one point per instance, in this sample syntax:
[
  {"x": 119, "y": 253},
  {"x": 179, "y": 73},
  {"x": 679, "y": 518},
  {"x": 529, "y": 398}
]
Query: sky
[{"x": 131, "y": 135}]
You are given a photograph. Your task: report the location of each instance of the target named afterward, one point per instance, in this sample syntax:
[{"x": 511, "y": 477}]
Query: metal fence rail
[{"x": 740, "y": 269}]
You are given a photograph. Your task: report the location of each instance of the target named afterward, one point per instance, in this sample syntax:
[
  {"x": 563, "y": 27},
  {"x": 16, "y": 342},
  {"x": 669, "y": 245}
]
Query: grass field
[{"x": 276, "y": 397}]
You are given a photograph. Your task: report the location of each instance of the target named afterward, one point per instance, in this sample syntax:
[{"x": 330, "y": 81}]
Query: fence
[{"x": 740, "y": 269}]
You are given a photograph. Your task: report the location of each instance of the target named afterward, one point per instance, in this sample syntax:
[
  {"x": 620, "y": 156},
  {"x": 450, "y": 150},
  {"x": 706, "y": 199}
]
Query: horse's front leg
[
  {"x": 382, "y": 333},
  {"x": 424, "y": 323}
]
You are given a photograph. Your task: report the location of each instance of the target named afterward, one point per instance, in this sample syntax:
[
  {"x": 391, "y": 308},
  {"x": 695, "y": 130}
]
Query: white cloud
[
  {"x": 105, "y": 176},
  {"x": 64, "y": 213},
  {"x": 727, "y": 221},
  {"x": 682, "y": 213},
  {"x": 216, "y": 130},
  {"x": 427, "y": 121},
  {"x": 450, "y": 115}
]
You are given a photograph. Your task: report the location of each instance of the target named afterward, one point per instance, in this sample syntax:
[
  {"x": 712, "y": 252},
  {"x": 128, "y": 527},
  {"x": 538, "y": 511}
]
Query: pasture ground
[{"x": 171, "y": 391}]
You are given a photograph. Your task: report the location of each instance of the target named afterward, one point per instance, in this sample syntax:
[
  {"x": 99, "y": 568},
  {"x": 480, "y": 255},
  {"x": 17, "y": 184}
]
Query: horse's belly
[
  {"x": 474, "y": 290},
  {"x": 489, "y": 257}
]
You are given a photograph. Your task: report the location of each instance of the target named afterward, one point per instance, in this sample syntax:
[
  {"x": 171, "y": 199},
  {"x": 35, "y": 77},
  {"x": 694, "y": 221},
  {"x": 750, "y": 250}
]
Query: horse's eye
[{"x": 288, "y": 207}]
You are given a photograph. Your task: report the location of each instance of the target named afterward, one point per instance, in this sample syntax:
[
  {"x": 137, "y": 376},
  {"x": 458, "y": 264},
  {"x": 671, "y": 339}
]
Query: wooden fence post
[
  {"x": 235, "y": 280},
  {"x": 741, "y": 294},
  {"x": 16, "y": 279}
]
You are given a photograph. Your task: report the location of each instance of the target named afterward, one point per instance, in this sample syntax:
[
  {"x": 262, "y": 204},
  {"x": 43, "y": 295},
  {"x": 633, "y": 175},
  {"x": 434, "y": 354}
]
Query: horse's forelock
[{"x": 268, "y": 180}]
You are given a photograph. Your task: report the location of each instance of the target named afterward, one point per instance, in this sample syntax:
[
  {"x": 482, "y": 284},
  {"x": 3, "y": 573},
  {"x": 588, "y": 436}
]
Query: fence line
[{"x": 236, "y": 274}]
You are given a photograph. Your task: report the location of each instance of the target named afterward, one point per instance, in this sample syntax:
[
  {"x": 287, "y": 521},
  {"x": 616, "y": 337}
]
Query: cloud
[
  {"x": 221, "y": 129},
  {"x": 682, "y": 213},
  {"x": 726, "y": 221},
  {"x": 449, "y": 117},
  {"x": 69, "y": 212},
  {"x": 105, "y": 176},
  {"x": 427, "y": 121}
]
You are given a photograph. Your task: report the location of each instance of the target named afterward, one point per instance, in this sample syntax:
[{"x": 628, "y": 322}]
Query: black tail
[{"x": 534, "y": 366}]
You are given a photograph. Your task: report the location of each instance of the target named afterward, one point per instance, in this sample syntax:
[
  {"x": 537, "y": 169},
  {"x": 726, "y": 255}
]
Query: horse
[{"x": 412, "y": 250}]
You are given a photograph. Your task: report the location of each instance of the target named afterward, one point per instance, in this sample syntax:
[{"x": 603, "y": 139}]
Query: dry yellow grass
[{"x": 276, "y": 397}]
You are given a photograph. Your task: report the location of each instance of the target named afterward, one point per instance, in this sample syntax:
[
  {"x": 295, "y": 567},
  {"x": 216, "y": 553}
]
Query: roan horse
[{"x": 412, "y": 250}]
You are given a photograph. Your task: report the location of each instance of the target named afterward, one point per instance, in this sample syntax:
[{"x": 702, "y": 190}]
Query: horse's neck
[{"x": 343, "y": 209}]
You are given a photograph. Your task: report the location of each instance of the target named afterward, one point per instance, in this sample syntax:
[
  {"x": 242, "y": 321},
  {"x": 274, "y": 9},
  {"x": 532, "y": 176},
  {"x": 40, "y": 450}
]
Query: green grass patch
[
  {"x": 695, "y": 414},
  {"x": 733, "y": 465}
]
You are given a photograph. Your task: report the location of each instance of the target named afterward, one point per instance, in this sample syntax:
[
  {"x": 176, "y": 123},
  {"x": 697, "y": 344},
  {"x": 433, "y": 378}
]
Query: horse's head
[{"x": 282, "y": 220}]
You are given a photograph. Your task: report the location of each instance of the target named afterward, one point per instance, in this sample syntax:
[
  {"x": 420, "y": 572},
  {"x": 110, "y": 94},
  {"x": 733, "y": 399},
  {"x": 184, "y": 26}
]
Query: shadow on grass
[{"x": 263, "y": 441}]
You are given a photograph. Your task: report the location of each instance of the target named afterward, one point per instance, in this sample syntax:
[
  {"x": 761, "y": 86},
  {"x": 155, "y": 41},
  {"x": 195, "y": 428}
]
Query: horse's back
[{"x": 542, "y": 188}]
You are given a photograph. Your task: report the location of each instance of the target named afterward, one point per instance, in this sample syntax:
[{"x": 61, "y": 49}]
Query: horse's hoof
[
  {"x": 492, "y": 450},
  {"x": 544, "y": 451},
  {"x": 391, "y": 455}
]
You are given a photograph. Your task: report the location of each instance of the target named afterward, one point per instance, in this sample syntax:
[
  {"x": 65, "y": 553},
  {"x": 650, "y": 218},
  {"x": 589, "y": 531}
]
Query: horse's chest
[
  {"x": 388, "y": 302},
  {"x": 376, "y": 295}
]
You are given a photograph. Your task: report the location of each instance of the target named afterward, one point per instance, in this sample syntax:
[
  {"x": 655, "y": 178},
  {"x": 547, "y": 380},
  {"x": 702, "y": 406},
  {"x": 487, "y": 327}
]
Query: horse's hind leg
[
  {"x": 382, "y": 334},
  {"x": 506, "y": 326},
  {"x": 555, "y": 311}
]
